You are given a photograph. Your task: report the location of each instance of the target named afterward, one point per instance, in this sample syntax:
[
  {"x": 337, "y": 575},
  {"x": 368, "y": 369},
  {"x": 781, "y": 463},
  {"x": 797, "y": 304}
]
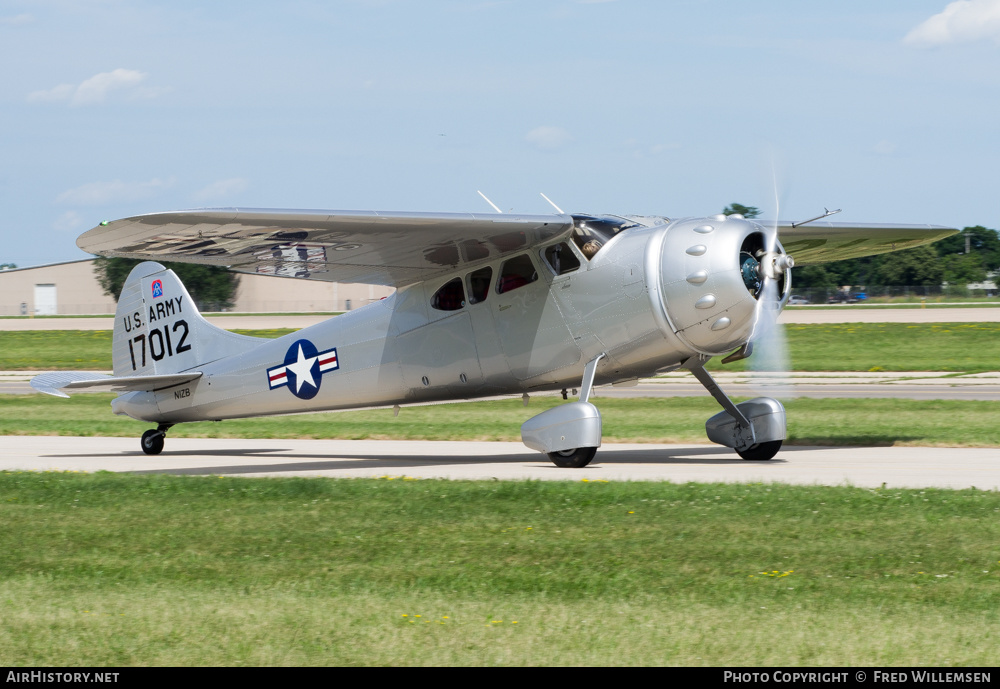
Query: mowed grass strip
[
  {"x": 110, "y": 569},
  {"x": 968, "y": 347},
  {"x": 57, "y": 350},
  {"x": 68, "y": 350},
  {"x": 955, "y": 347},
  {"x": 954, "y": 423}
]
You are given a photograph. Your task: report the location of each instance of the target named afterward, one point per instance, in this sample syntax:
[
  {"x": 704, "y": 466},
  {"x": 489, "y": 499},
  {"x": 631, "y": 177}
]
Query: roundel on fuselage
[{"x": 303, "y": 369}]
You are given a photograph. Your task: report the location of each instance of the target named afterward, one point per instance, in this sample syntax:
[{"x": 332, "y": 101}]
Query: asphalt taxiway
[
  {"x": 914, "y": 467},
  {"x": 849, "y": 313},
  {"x": 872, "y": 467},
  {"x": 914, "y": 385},
  {"x": 782, "y": 385}
]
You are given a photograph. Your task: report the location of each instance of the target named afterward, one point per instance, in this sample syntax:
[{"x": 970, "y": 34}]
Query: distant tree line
[
  {"x": 944, "y": 261},
  {"x": 957, "y": 260},
  {"x": 745, "y": 211},
  {"x": 211, "y": 287}
]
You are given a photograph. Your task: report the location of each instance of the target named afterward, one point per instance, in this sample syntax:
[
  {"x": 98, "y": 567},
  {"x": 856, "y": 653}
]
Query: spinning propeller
[{"x": 768, "y": 270}]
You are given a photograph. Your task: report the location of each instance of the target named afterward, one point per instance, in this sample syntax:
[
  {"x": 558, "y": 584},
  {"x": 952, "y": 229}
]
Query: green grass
[
  {"x": 58, "y": 316},
  {"x": 45, "y": 350},
  {"x": 969, "y": 347},
  {"x": 207, "y": 314},
  {"x": 67, "y": 350},
  {"x": 952, "y": 423},
  {"x": 156, "y": 570},
  {"x": 982, "y": 304},
  {"x": 942, "y": 299},
  {"x": 108, "y": 569}
]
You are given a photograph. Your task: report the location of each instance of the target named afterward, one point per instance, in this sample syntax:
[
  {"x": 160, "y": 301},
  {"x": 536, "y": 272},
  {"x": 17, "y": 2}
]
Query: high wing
[
  {"x": 397, "y": 249},
  {"x": 382, "y": 248},
  {"x": 822, "y": 242}
]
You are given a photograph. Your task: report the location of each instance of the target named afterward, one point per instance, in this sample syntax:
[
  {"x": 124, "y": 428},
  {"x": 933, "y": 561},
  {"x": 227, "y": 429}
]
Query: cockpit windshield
[{"x": 591, "y": 232}]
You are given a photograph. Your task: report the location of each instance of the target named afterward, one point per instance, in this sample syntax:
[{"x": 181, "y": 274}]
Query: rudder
[{"x": 158, "y": 329}]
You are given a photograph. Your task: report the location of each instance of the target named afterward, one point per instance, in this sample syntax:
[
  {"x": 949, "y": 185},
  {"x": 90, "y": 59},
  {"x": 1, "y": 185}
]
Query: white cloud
[
  {"x": 963, "y": 21},
  {"x": 103, "y": 193},
  {"x": 222, "y": 189},
  {"x": 640, "y": 148},
  {"x": 548, "y": 138},
  {"x": 53, "y": 95},
  {"x": 884, "y": 148},
  {"x": 68, "y": 221},
  {"x": 660, "y": 148},
  {"x": 16, "y": 20},
  {"x": 96, "y": 89}
]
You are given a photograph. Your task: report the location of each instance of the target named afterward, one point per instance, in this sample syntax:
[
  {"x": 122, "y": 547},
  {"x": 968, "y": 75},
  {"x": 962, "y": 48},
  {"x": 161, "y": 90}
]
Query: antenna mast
[{"x": 489, "y": 202}]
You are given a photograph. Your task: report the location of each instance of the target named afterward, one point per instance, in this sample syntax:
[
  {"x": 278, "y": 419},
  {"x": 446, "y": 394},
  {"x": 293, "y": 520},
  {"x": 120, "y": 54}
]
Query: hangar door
[{"x": 45, "y": 300}]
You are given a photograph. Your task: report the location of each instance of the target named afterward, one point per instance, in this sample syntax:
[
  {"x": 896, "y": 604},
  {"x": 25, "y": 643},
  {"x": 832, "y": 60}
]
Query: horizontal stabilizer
[{"x": 53, "y": 383}]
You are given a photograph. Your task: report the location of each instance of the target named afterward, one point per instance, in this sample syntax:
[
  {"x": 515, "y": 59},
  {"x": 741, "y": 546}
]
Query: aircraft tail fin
[{"x": 159, "y": 331}]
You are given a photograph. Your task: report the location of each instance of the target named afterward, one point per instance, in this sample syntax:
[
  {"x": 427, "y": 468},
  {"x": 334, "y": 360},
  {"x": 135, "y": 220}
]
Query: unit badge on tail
[{"x": 303, "y": 369}]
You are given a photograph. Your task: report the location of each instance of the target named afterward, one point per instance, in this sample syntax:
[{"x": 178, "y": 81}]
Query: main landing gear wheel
[
  {"x": 152, "y": 441},
  {"x": 574, "y": 459},
  {"x": 761, "y": 451}
]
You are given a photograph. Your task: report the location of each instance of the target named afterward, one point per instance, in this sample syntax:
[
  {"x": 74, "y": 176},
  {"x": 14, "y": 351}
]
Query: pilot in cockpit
[
  {"x": 590, "y": 248},
  {"x": 590, "y": 233}
]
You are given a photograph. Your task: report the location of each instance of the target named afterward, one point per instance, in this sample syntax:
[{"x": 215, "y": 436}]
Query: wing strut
[{"x": 827, "y": 214}]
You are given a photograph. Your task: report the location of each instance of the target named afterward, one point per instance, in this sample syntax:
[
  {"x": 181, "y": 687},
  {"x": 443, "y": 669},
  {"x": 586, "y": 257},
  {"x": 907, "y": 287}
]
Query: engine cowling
[{"x": 712, "y": 273}]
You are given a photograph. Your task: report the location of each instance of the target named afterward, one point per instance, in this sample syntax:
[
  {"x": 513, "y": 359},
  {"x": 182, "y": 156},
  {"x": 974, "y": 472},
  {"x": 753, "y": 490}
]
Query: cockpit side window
[
  {"x": 517, "y": 272},
  {"x": 561, "y": 258},
  {"x": 450, "y": 297},
  {"x": 478, "y": 282}
]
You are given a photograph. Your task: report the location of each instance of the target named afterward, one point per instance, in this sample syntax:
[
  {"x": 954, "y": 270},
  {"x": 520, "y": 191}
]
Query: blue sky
[{"x": 889, "y": 110}]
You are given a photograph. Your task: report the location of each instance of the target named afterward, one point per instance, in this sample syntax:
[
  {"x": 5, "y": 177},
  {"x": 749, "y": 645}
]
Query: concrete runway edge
[{"x": 871, "y": 467}]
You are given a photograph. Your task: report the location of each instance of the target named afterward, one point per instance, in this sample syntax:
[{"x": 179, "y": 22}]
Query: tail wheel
[
  {"x": 761, "y": 451},
  {"x": 576, "y": 458},
  {"x": 152, "y": 442}
]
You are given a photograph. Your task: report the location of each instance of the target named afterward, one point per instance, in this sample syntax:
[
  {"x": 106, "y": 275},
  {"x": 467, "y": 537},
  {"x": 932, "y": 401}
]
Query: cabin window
[
  {"x": 451, "y": 296},
  {"x": 561, "y": 259},
  {"x": 478, "y": 282},
  {"x": 517, "y": 272}
]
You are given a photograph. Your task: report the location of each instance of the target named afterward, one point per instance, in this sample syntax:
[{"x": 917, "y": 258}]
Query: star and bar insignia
[{"x": 303, "y": 369}]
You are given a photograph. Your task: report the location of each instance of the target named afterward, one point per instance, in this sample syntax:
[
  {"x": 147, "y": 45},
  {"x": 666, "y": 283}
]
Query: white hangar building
[{"x": 72, "y": 288}]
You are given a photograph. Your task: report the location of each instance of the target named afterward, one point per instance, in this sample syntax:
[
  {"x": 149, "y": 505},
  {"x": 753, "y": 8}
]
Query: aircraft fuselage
[{"x": 650, "y": 299}]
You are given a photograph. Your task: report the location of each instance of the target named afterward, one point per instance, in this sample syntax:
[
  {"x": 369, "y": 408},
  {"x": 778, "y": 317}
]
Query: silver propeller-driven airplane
[{"x": 485, "y": 305}]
